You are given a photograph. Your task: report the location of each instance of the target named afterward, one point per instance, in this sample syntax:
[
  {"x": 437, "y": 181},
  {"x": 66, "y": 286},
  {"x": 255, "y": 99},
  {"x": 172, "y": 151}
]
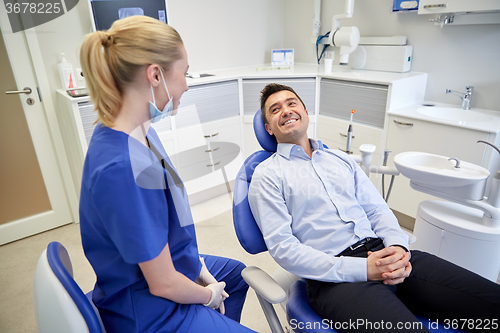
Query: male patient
[{"x": 323, "y": 220}]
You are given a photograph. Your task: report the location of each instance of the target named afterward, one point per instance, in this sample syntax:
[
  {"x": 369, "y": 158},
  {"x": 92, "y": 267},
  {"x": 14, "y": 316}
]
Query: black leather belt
[{"x": 360, "y": 243}]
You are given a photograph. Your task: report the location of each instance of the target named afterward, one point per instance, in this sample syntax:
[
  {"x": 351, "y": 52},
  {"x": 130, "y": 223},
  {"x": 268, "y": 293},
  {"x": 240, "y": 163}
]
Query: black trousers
[{"x": 436, "y": 289}]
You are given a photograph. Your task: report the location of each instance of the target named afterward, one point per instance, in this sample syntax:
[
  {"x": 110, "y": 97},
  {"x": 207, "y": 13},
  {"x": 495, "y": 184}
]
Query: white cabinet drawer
[
  {"x": 304, "y": 87},
  {"x": 212, "y": 101},
  {"x": 167, "y": 140},
  {"x": 228, "y": 129},
  {"x": 339, "y": 97}
]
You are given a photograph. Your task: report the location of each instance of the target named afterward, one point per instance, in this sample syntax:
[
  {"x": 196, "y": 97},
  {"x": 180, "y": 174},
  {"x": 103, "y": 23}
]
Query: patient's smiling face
[{"x": 286, "y": 116}]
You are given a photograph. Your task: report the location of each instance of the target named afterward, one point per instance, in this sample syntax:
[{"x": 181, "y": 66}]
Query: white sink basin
[
  {"x": 437, "y": 173},
  {"x": 454, "y": 114}
]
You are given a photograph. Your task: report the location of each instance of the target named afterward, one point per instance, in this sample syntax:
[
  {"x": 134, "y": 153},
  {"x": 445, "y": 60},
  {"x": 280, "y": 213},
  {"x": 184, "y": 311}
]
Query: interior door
[{"x": 32, "y": 196}]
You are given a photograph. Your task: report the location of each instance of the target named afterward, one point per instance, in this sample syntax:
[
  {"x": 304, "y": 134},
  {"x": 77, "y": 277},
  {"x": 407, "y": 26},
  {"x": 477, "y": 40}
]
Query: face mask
[{"x": 155, "y": 114}]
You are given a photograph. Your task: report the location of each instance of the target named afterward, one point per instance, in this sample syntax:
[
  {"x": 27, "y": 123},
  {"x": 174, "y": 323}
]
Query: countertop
[
  {"x": 490, "y": 124},
  {"x": 300, "y": 70}
]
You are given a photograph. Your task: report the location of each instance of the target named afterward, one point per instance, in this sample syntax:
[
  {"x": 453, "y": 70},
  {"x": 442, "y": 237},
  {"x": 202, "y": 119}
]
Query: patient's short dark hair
[{"x": 270, "y": 89}]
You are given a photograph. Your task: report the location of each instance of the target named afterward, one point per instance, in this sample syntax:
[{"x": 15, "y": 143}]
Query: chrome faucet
[{"x": 466, "y": 97}]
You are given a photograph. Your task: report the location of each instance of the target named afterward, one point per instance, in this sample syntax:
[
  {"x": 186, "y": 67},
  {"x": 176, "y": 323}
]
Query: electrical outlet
[
  {"x": 79, "y": 77},
  {"x": 79, "y": 73}
]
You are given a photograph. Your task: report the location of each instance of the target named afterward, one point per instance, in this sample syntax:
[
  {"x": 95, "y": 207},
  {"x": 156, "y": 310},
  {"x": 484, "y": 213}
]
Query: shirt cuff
[
  {"x": 354, "y": 269},
  {"x": 401, "y": 246},
  {"x": 397, "y": 240}
]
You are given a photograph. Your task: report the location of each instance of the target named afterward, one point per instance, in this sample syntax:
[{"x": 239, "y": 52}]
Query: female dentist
[{"x": 136, "y": 224}]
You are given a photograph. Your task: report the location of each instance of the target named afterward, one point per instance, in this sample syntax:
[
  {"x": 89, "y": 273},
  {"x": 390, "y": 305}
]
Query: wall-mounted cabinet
[
  {"x": 461, "y": 12},
  {"x": 457, "y": 6}
]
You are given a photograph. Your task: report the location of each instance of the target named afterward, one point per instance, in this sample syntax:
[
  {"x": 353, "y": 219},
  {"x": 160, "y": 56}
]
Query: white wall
[
  {"x": 227, "y": 33},
  {"x": 454, "y": 56}
]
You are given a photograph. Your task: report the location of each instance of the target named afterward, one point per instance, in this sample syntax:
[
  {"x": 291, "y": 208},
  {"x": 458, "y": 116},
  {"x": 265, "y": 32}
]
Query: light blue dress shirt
[{"x": 311, "y": 209}]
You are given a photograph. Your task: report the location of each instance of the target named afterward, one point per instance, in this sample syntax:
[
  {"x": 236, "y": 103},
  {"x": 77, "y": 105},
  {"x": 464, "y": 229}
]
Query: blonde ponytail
[{"x": 110, "y": 60}]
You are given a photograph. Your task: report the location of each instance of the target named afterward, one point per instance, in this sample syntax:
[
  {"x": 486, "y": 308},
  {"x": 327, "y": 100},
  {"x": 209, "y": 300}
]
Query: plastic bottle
[{"x": 66, "y": 74}]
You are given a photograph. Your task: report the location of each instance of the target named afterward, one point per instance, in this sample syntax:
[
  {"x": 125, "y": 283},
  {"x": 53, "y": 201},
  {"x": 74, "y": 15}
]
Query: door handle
[
  {"x": 345, "y": 135},
  {"x": 26, "y": 90}
]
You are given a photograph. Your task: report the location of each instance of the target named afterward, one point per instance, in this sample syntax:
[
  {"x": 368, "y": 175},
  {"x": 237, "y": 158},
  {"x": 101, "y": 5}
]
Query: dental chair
[
  {"x": 60, "y": 304},
  {"x": 286, "y": 288}
]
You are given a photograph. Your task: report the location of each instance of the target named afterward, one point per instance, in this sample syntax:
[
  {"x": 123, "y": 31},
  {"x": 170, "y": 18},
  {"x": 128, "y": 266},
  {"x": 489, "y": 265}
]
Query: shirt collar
[{"x": 285, "y": 149}]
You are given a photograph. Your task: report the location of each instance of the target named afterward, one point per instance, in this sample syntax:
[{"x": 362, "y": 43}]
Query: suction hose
[{"x": 386, "y": 198}]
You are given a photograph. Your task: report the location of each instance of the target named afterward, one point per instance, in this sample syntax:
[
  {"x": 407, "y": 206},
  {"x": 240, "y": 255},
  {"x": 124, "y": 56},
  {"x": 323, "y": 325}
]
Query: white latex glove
[
  {"x": 205, "y": 279},
  {"x": 216, "y": 300}
]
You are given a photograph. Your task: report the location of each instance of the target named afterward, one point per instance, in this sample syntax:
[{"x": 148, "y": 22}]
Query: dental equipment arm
[{"x": 346, "y": 38}]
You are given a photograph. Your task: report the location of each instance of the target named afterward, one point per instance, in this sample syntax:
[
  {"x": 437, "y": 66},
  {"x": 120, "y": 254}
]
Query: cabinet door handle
[
  {"x": 345, "y": 135},
  {"x": 212, "y": 135},
  {"x": 211, "y": 165},
  {"x": 401, "y": 123},
  {"x": 438, "y": 5},
  {"x": 211, "y": 150}
]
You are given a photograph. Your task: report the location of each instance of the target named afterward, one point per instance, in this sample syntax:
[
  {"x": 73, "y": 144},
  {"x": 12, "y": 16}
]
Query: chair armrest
[
  {"x": 384, "y": 170},
  {"x": 411, "y": 237},
  {"x": 263, "y": 284}
]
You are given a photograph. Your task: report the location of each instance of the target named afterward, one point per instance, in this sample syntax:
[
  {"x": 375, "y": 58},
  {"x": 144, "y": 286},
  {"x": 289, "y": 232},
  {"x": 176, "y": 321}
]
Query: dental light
[{"x": 345, "y": 38}]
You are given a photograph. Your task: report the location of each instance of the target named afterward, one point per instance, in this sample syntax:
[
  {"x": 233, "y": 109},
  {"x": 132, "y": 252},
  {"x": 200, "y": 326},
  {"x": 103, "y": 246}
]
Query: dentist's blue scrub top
[{"x": 130, "y": 208}]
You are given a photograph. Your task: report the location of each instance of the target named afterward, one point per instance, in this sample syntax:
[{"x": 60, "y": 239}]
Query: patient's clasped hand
[{"x": 323, "y": 220}]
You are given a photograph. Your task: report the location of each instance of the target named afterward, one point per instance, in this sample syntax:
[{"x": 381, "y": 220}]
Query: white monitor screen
[{"x": 105, "y": 12}]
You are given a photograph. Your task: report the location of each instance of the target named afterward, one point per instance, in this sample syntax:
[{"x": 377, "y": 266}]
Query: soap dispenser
[{"x": 66, "y": 74}]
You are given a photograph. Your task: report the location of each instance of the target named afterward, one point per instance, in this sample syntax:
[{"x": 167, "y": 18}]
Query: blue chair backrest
[
  {"x": 60, "y": 264},
  {"x": 247, "y": 231}
]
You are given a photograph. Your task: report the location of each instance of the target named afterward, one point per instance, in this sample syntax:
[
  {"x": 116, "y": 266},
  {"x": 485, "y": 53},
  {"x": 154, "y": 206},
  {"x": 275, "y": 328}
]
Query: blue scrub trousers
[{"x": 209, "y": 320}]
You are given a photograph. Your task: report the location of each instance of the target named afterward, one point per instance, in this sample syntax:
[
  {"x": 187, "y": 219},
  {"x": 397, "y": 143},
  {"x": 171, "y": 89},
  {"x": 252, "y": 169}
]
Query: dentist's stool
[{"x": 60, "y": 304}]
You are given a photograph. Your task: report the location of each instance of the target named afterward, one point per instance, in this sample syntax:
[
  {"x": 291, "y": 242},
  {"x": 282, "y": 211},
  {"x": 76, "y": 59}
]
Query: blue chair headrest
[{"x": 266, "y": 141}]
